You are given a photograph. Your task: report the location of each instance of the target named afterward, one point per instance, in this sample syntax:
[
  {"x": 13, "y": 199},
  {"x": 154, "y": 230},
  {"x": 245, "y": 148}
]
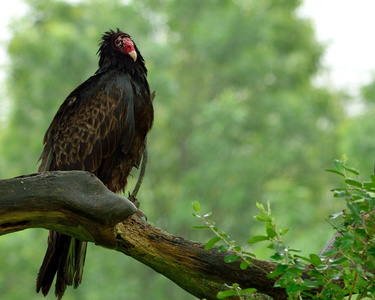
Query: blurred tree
[
  {"x": 356, "y": 141},
  {"x": 244, "y": 122},
  {"x": 237, "y": 120}
]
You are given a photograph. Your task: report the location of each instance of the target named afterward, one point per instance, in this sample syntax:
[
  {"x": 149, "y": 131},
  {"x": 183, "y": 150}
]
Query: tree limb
[
  {"x": 78, "y": 204},
  {"x": 330, "y": 245}
]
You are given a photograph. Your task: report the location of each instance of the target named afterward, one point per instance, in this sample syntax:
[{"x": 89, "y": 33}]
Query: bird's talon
[{"x": 141, "y": 214}]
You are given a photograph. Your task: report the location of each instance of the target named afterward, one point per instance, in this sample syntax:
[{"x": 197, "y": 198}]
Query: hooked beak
[{"x": 133, "y": 55}]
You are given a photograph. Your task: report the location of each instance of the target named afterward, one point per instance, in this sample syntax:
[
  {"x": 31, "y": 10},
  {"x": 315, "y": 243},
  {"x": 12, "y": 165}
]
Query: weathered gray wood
[
  {"x": 75, "y": 203},
  {"x": 329, "y": 246},
  {"x": 78, "y": 204}
]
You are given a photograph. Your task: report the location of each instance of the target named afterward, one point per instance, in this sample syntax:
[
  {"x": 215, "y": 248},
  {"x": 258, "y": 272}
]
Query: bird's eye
[{"x": 119, "y": 43}]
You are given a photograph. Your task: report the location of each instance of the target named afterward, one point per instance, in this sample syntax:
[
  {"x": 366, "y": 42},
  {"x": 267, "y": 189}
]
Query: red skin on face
[{"x": 128, "y": 45}]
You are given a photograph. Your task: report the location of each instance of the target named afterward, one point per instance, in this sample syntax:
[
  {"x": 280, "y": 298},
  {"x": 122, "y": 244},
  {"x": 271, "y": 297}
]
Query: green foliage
[
  {"x": 228, "y": 245},
  {"x": 235, "y": 290},
  {"x": 346, "y": 271}
]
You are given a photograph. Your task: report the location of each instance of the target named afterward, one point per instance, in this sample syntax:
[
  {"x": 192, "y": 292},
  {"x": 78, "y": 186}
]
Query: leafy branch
[
  {"x": 346, "y": 271},
  {"x": 239, "y": 253},
  {"x": 229, "y": 245}
]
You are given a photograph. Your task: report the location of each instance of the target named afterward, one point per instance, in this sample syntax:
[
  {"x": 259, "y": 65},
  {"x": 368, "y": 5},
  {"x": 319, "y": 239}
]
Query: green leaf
[
  {"x": 231, "y": 258},
  {"x": 303, "y": 258},
  {"x": 355, "y": 208},
  {"x": 316, "y": 274},
  {"x": 330, "y": 253},
  {"x": 362, "y": 194},
  {"x": 352, "y": 170},
  {"x": 335, "y": 287},
  {"x": 248, "y": 291},
  {"x": 223, "y": 248},
  {"x": 343, "y": 194},
  {"x": 201, "y": 227},
  {"x": 340, "y": 261},
  {"x": 248, "y": 254},
  {"x": 335, "y": 171},
  {"x": 371, "y": 251},
  {"x": 262, "y": 217},
  {"x": 280, "y": 269},
  {"x": 257, "y": 238},
  {"x": 294, "y": 250},
  {"x": 370, "y": 265},
  {"x": 260, "y": 207},
  {"x": 339, "y": 165},
  {"x": 340, "y": 227},
  {"x": 268, "y": 207},
  {"x": 196, "y": 206},
  {"x": 277, "y": 257},
  {"x": 353, "y": 183},
  {"x": 361, "y": 232},
  {"x": 293, "y": 288},
  {"x": 225, "y": 294},
  {"x": 244, "y": 265},
  {"x": 270, "y": 231},
  {"x": 315, "y": 260},
  {"x": 224, "y": 235},
  {"x": 369, "y": 185},
  {"x": 311, "y": 283},
  {"x": 284, "y": 231},
  {"x": 212, "y": 242},
  {"x": 347, "y": 241},
  {"x": 279, "y": 248}
]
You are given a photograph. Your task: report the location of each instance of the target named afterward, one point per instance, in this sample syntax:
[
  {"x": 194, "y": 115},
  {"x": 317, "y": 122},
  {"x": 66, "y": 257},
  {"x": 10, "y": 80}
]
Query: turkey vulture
[{"x": 101, "y": 127}]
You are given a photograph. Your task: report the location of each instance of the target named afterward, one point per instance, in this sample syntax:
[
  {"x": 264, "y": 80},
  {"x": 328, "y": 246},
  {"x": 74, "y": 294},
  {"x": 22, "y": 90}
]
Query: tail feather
[
  {"x": 49, "y": 266},
  {"x": 65, "y": 256},
  {"x": 80, "y": 262}
]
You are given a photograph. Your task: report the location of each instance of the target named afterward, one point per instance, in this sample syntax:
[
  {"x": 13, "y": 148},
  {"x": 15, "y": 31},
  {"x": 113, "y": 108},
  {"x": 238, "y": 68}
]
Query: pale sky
[{"x": 346, "y": 26}]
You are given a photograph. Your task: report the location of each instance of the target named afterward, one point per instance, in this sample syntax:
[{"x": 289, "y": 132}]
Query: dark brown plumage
[{"x": 101, "y": 127}]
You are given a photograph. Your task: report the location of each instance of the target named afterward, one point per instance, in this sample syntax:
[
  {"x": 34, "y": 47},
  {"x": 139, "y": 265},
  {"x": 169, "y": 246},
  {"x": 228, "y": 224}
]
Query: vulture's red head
[
  {"x": 123, "y": 43},
  {"x": 118, "y": 48}
]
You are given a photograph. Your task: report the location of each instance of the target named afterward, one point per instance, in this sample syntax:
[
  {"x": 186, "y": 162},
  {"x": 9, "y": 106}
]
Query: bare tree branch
[{"x": 78, "y": 204}]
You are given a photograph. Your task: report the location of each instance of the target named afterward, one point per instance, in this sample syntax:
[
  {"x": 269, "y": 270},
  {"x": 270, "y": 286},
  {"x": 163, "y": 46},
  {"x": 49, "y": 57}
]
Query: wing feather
[{"x": 90, "y": 124}]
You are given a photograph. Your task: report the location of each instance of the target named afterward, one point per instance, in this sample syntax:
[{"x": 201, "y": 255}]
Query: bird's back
[{"x": 101, "y": 127}]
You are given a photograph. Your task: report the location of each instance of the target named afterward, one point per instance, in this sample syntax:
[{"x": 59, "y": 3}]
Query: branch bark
[{"x": 78, "y": 204}]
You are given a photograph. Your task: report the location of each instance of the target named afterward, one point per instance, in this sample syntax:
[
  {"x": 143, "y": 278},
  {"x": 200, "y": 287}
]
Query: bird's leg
[
  {"x": 137, "y": 204},
  {"x": 133, "y": 195},
  {"x": 133, "y": 199}
]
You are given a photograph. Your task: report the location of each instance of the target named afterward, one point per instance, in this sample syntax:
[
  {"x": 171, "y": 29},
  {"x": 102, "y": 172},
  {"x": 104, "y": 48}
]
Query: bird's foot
[{"x": 141, "y": 214}]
